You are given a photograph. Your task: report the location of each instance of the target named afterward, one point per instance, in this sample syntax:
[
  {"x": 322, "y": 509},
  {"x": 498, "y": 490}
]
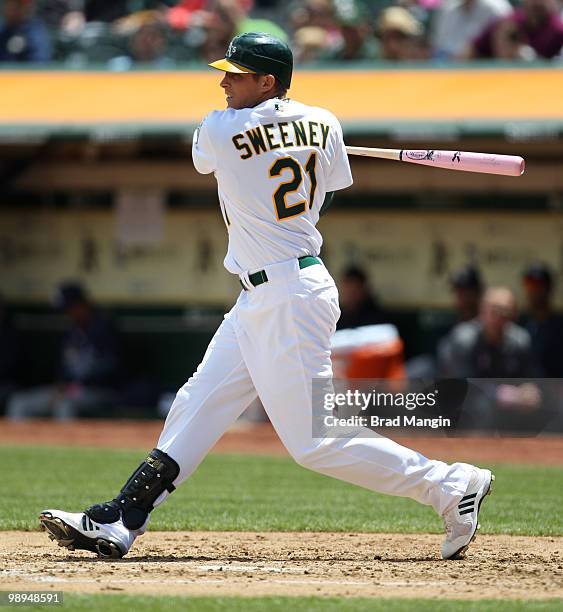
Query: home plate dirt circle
[{"x": 251, "y": 564}]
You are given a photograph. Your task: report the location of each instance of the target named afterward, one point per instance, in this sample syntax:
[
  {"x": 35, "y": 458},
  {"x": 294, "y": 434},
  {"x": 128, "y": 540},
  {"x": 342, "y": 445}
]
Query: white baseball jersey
[{"x": 273, "y": 163}]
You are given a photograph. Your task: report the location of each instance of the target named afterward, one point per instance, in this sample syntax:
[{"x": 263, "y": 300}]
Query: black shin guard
[{"x": 136, "y": 499}]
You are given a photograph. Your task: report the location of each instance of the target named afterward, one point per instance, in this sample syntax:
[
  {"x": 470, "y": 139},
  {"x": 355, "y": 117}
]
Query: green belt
[{"x": 257, "y": 278}]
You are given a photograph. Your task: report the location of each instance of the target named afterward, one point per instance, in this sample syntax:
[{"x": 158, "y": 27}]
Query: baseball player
[{"x": 277, "y": 163}]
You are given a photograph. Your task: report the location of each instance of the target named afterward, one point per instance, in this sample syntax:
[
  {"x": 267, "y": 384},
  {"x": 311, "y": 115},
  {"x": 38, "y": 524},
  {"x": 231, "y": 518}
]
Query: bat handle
[{"x": 394, "y": 154}]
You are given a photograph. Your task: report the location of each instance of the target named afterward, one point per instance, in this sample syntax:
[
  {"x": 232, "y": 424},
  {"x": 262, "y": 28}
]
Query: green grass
[
  {"x": 238, "y": 492},
  {"x": 281, "y": 604}
]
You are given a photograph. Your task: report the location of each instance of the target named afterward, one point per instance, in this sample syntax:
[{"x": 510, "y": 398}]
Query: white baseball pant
[{"x": 271, "y": 344}]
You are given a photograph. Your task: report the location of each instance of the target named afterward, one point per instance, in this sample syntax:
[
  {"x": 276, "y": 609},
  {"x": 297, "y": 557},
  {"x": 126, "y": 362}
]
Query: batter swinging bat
[{"x": 488, "y": 163}]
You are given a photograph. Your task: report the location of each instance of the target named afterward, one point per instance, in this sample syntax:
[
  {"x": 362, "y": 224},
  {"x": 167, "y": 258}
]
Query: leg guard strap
[{"x": 136, "y": 499}]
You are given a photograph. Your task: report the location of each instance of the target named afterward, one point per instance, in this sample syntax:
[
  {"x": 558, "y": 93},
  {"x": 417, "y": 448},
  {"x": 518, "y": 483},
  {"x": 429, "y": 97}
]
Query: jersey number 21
[{"x": 283, "y": 211}]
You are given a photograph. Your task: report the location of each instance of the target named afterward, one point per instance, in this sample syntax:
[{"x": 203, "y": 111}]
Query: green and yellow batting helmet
[{"x": 258, "y": 53}]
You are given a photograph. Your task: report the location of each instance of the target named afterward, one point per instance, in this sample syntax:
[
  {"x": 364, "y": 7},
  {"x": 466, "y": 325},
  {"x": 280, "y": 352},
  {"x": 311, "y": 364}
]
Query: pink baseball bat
[{"x": 488, "y": 163}]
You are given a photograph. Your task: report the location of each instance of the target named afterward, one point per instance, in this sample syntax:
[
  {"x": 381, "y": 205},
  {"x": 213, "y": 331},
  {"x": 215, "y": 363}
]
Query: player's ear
[{"x": 269, "y": 82}]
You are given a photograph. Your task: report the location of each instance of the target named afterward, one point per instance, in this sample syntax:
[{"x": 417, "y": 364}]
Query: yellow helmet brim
[{"x": 227, "y": 66}]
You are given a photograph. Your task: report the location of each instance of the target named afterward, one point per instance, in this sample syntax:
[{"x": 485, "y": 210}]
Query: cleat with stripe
[
  {"x": 77, "y": 531},
  {"x": 461, "y": 522}
]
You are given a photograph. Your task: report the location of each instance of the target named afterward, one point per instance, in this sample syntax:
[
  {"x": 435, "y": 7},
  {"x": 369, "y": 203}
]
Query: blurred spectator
[
  {"x": 88, "y": 367},
  {"x": 358, "y": 304},
  {"x": 356, "y": 35},
  {"x": 401, "y": 35},
  {"x": 23, "y": 37},
  {"x": 179, "y": 17},
  {"x": 209, "y": 30},
  {"x": 10, "y": 357},
  {"x": 459, "y": 22},
  {"x": 316, "y": 34},
  {"x": 545, "y": 327},
  {"x": 187, "y": 13},
  {"x": 338, "y": 31},
  {"x": 491, "y": 346},
  {"x": 467, "y": 289},
  {"x": 72, "y": 17},
  {"x": 313, "y": 13},
  {"x": 533, "y": 30},
  {"x": 147, "y": 45},
  {"x": 216, "y": 28},
  {"x": 310, "y": 43},
  {"x": 488, "y": 348},
  {"x": 209, "y": 25},
  {"x": 247, "y": 22}
]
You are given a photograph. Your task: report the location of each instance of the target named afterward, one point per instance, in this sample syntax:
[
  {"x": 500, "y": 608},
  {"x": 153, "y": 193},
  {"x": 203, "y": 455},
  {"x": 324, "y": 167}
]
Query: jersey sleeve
[
  {"x": 203, "y": 152},
  {"x": 340, "y": 174}
]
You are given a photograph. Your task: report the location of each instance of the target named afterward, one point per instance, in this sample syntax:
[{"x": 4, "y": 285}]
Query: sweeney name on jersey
[{"x": 263, "y": 138}]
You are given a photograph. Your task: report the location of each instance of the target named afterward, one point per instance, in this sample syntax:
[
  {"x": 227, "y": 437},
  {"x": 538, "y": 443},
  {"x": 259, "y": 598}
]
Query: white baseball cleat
[
  {"x": 461, "y": 522},
  {"x": 77, "y": 531}
]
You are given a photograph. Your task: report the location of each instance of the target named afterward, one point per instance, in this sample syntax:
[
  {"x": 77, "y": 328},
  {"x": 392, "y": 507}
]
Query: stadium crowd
[{"x": 167, "y": 33}]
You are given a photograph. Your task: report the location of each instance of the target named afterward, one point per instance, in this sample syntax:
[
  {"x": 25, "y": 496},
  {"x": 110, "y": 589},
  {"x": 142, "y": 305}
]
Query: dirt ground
[
  {"x": 260, "y": 438},
  {"x": 249, "y": 564}
]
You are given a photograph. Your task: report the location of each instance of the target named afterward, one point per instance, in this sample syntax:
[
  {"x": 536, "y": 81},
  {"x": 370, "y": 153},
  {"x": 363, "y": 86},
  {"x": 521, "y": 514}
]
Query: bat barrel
[{"x": 488, "y": 163}]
